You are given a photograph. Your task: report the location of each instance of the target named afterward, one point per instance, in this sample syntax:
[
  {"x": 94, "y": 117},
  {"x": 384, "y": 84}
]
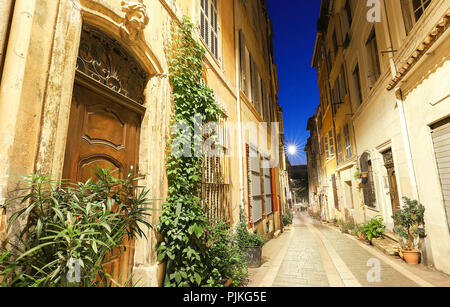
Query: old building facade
[
  {"x": 84, "y": 83},
  {"x": 387, "y": 79}
]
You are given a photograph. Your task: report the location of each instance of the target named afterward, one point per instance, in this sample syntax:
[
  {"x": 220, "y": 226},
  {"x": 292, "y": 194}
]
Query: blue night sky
[{"x": 294, "y": 23}]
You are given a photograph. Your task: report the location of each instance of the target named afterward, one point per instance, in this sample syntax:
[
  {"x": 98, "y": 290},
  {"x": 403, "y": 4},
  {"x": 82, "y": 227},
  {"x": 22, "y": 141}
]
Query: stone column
[
  {"x": 5, "y": 15},
  {"x": 12, "y": 83}
]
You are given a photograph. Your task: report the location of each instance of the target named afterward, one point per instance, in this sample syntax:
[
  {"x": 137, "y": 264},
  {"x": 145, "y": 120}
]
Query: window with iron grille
[
  {"x": 215, "y": 178},
  {"x": 209, "y": 28}
]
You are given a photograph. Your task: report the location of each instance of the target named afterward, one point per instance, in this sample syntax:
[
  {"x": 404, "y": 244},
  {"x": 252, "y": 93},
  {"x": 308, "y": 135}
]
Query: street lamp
[{"x": 292, "y": 150}]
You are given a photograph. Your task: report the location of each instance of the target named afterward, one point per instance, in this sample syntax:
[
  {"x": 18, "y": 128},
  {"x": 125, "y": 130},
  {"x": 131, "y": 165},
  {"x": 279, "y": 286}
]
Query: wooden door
[
  {"x": 392, "y": 178},
  {"x": 102, "y": 133}
]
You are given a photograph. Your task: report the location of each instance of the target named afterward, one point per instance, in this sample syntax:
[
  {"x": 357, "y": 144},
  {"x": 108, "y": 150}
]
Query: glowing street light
[{"x": 292, "y": 150}]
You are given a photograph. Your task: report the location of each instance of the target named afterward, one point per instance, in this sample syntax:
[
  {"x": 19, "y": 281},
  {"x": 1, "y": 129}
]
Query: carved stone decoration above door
[
  {"x": 388, "y": 159},
  {"x": 107, "y": 62},
  {"x": 136, "y": 18}
]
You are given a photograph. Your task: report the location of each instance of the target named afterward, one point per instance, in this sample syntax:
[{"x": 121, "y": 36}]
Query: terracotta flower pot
[{"x": 411, "y": 257}]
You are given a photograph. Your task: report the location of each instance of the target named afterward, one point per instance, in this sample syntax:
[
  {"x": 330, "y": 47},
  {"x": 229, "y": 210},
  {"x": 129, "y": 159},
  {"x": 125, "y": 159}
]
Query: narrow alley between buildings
[{"x": 313, "y": 254}]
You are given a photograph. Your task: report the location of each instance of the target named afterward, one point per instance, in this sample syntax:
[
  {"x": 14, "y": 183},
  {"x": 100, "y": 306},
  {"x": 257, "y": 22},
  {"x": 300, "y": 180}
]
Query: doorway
[
  {"x": 392, "y": 179},
  {"x": 105, "y": 122}
]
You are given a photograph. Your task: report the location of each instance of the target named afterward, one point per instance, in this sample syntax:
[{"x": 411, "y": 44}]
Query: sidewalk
[{"x": 313, "y": 254}]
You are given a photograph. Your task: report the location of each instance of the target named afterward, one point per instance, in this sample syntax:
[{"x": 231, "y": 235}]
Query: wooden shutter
[
  {"x": 335, "y": 192},
  {"x": 254, "y": 185},
  {"x": 243, "y": 67},
  {"x": 268, "y": 194},
  {"x": 441, "y": 142}
]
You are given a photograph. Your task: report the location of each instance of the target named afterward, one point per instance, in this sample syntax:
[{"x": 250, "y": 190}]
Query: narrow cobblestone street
[{"x": 311, "y": 254}]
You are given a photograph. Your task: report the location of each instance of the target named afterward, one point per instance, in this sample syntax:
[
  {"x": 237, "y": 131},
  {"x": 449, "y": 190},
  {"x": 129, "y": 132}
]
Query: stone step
[{"x": 387, "y": 245}]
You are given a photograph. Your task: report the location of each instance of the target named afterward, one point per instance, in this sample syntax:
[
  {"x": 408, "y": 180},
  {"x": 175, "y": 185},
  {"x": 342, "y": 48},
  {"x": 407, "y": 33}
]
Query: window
[
  {"x": 343, "y": 83},
  {"x": 255, "y": 85},
  {"x": 357, "y": 83},
  {"x": 209, "y": 25},
  {"x": 335, "y": 191},
  {"x": 367, "y": 181},
  {"x": 260, "y": 185},
  {"x": 348, "y": 12},
  {"x": 329, "y": 62},
  {"x": 373, "y": 58},
  {"x": 327, "y": 89},
  {"x": 330, "y": 137},
  {"x": 412, "y": 10},
  {"x": 254, "y": 185},
  {"x": 264, "y": 105},
  {"x": 335, "y": 43},
  {"x": 267, "y": 175},
  {"x": 327, "y": 149},
  {"x": 339, "y": 145},
  {"x": 243, "y": 54},
  {"x": 215, "y": 177},
  {"x": 348, "y": 146}
]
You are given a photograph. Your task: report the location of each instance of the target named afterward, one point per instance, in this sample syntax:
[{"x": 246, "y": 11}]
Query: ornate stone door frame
[{"x": 114, "y": 23}]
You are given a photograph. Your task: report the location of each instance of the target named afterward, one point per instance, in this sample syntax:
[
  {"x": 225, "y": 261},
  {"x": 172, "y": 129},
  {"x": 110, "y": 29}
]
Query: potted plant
[
  {"x": 287, "y": 218},
  {"x": 250, "y": 243},
  {"x": 410, "y": 226},
  {"x": 374, "y": 228},
  {"x": 359, "y": 232}
]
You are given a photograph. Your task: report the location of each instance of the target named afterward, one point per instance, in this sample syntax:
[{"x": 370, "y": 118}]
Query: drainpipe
[
  {"x": 12, "y": 83},
  {"x": 401, "y": 110},
  {"x": 238, "y": 97}
]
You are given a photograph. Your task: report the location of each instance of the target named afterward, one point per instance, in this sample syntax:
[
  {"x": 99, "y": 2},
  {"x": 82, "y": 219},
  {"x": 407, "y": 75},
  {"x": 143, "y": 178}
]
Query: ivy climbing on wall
[{"x": 183, "y": 221}]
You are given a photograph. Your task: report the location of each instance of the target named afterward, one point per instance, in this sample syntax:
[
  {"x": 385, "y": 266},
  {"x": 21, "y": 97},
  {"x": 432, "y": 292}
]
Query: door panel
[
  {"x": 392, "y": 178},
  {"x": 105, "y": 134}
]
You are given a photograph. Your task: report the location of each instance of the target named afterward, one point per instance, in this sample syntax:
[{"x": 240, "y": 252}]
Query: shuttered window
[
  {"x": 254, "y": 185},
  {"x": 348, "y": 145},
  {"x": 339, "y": 148},
  {"x": 267, "y": 176},
  {"x": 327, "y": 149},
  {"x": 335, "y": 191},
  {"x": 331, "y": 140},
  {"x": 441, "y": 142},
  {"x": 209, "y": 25},
  {"x": 255, "y": 85},
  {"x": 357, "y": 83},
  {"x": 374, "y": 60},
  {"x": 243, "y": 63}
]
